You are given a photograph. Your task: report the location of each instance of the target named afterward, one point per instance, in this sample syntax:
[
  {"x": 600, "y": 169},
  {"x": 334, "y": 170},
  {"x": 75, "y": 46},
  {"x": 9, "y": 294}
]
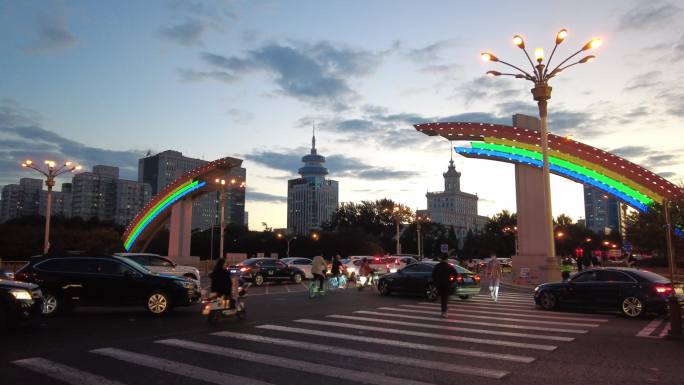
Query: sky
[{"x": 103, "y": 82}]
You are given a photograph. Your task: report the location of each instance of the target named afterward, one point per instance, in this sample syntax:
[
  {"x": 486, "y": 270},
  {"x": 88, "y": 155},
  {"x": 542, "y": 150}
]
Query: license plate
[
  {"x": 270, "y": 273},
  {"x": 468, "y": 280}
]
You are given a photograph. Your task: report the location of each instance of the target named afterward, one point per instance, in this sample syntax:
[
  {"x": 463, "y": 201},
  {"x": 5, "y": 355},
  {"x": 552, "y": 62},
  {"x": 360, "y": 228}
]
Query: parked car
[
  {"x": 303, "y": 264},
  {"x": 260, "y": 270},
  {"x": 417, "y": 279},
  {"x": 19, "y": 302},
  {"x": 630, "y": 291},
  {"x": 159, "y": 264},
  {"x": 72, "y": 279}
]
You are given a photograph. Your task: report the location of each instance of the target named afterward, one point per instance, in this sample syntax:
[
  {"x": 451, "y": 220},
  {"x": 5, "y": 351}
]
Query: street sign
[
  {"x": 627, "y": 246},
  {"x": 445, "y": 248}
]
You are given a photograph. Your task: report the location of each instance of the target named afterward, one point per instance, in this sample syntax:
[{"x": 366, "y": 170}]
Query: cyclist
[
  {"x": 336, "y": 265},
  {"x": 365, "y": 270},
  {"x": 318, "y": 270},
  {"x": 220, "y": 280}
]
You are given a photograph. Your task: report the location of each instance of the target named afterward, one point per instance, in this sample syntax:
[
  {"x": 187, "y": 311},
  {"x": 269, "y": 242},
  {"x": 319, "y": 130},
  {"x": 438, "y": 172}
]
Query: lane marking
[
  {"x": 401, "y": 344},
  {"x": 648, "y": 329},
  {"x": 513, "y": 344},
  {"x": 288, "y": 288},
  {"x": 489, "y": 299},
  {"x": 471, "y": 302},
  {"x": 288, "y": 363},
  {"x": 494, "y": 318},
  {"x": 175, "y": 367},
  {"x": 577, "y": 316},
  {"x": 539, "y": 316},
  {"x": 63, "y": 373},
  {"x": 455, "y": 328},
  {"x": 402, "y": 360},
  {"x": 451, "y": 320},
  {"x": 665, "y": 330}
]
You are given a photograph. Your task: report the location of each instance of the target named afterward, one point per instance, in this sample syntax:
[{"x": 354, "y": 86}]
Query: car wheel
[
  {"x": 297, "y": 278},
  {"x": 632, "y": 307},
  {"x": 548, "y": 300},
  {"x": 51, "y": 304},
  {"x": 158, "y": 303},
  {"x": 258, "y": 280},
  {"x": 190, "y": 276},
  {"x": 384, "y": 288},
  {"x": 464, "y": 296},
  {"x": 432, "y": 293}
]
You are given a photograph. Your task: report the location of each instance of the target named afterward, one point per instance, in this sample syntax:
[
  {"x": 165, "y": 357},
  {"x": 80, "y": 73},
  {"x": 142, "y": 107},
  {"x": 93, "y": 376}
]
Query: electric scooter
[{"x": 217, "y": 307}]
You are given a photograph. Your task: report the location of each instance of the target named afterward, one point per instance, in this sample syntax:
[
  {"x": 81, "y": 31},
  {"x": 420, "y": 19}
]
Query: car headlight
[
  {"x": 185, "y": 284},
  {"x": 21, "y": 295},
  {"x": 536, "y": 289},
  {"x": 350, "y": 270}
]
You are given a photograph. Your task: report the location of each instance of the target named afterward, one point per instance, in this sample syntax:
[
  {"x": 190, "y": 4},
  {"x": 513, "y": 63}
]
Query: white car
[
  {"x": 159, "y": 264},
  {"x": 304, "y": 264}
]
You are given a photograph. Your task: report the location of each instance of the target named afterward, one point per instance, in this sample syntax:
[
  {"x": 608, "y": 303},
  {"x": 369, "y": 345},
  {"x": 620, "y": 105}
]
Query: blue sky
[{"x": 103, "y": 82}]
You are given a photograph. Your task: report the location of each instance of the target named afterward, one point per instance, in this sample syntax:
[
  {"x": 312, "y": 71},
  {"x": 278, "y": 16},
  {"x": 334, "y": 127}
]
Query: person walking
[
  {"x": 443, "y": 276},
  {"x": 494, "y": 273}
]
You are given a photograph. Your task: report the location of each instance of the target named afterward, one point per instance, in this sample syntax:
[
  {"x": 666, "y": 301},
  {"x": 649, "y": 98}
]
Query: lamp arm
[
  {"x": 511, "y": 65},
  {"x": 528, "y": 58},
  {"x": 564, "y": 61},
  {"x": 548, "y": 62}
]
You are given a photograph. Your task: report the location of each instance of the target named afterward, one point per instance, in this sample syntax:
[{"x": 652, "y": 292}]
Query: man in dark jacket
[{"x": 443, "y": 276}]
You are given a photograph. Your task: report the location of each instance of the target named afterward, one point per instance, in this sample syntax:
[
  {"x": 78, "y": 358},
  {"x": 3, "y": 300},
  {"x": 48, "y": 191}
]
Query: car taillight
[
  {"x": 477, "y": 278},
  {"x": 387, "y": 266},
  {"x": 377, "y": 259},
  {"x": 663, "y": 289},
  {"x": 451, "y": 278},
  {"x": 459, "y": 279},
  {"x": 396, "y": 261},
  {"x": 243, "y": 269}
]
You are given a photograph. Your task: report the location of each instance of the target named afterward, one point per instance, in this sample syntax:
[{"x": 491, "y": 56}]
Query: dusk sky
[{"x": 103, "y": 82}]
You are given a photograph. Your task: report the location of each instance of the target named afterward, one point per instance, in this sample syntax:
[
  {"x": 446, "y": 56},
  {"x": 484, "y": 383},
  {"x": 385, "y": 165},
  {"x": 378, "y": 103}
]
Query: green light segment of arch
[
  {"x": 569, "y": 165},
  {"x": 182, "y": 188}
]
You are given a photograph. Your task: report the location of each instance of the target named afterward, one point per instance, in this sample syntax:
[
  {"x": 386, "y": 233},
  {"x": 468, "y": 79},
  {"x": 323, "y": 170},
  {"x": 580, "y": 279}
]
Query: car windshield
[
  {"x": 134, "y": 264},
  {"x": 462, "y": 270}
]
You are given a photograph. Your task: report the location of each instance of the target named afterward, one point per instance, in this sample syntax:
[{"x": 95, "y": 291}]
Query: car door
[
  {"x": 305, "y": 265},
  {"x": 581, "y": 289},
  {"x": 612, "y": 285},
  {"x": 401, "y": 280},
  {"x": 268, "y": 268},
  {"x": 61, "y": 276},
  {"x": 282, "y": 271}
]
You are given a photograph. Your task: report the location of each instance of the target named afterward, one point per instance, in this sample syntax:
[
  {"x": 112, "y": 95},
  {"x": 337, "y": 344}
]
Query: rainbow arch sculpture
[
  {"x": 153, "y": 216},
  {"x": 615, "y": 176}
]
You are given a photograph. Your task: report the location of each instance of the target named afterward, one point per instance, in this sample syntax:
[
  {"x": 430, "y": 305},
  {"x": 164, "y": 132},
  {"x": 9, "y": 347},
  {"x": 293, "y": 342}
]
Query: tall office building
[
  {"x": 453, "y": 207},
  {"x": 162, "y": 169},
  {"x": 602, "y": 212},
  {"x": 311, "y": 199}
]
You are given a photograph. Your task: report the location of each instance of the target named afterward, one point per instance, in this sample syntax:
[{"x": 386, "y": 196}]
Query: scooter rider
[
  {"x": 365, "y": 270},
  {"x": 220, "y": 280}
]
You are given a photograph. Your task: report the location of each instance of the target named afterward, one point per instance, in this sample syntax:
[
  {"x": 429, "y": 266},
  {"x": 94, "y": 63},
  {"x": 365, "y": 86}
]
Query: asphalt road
[{"x": 346, "y": 337}]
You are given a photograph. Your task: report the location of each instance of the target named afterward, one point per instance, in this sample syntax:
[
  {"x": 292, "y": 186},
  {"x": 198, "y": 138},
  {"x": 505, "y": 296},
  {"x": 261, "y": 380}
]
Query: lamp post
[
  {"x": 541, "y": 92},
  {"x": 222, "y": 185},
  {"x": 50, "y": 173},
  {"x": 675, "y": 309},
  {"x": 513, "y": 230},
  {"x": 419, "y": 221},
  {"x": 397, "y": 212}
]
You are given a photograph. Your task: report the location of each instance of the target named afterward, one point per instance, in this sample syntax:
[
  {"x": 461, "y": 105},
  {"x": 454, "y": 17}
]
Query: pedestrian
[
  {"x": 336, "y": 265},
  {"x": 566, "y": 268},
  {"x": 579, "y": 263},
  {"x": 443, "y": 276},
  {"x": 494, "y": 273}
]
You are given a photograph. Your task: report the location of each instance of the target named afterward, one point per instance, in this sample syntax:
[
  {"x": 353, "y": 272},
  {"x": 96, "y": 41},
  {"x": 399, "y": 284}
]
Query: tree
[{"x": 646, "y": 230}]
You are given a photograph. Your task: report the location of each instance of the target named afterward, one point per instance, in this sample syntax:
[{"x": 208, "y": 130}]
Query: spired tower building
[
  {"x": 311, "y": 199},
  {"x": 453, "y": 207}
]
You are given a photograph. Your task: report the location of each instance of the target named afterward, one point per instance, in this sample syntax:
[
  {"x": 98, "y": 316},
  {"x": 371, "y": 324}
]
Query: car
[
  {"x": 75, "y": 278},
  {"x": 416, "y": 279},
  {"x": 303, "y": 264},
  {"x": 632, "y": 292},
  {"x": 20, "y": 302},
  {"x": 159, "y": 264},
  {"x": 260, "y": 270},
  {"x": 4, "y": 274}
]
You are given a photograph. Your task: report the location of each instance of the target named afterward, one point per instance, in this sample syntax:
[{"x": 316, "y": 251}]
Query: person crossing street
[
  {"x": 494, "y": 273},
  {"x": 443, "y": 276}
]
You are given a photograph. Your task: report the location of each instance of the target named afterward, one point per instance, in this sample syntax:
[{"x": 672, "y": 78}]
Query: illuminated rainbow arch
[
  {"x": 615, "y": 176},
  {"x": 190, "y": 185}
]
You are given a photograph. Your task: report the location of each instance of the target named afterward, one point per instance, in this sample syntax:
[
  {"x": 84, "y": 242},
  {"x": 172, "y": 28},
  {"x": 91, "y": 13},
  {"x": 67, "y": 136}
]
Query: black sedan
[
  {"x": 632, "y": 292},
  {"x": 417, "y": 279},
  {"x": 260, "y": 270},
  {"x": 19, "y": 302}
]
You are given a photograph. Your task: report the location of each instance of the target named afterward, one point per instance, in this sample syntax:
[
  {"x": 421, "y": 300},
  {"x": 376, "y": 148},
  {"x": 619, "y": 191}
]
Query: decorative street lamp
[
  {"x": 419, "y": 221},
  {"x": 397, "y": 214},
  {"x": 223, "y": 195},
  {"x": 50, "y": 174},
  {"x": 539, "y": 76}
]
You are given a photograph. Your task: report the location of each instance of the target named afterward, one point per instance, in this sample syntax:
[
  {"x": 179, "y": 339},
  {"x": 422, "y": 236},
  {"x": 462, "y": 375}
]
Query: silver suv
[{"x": 158, "y": 264}]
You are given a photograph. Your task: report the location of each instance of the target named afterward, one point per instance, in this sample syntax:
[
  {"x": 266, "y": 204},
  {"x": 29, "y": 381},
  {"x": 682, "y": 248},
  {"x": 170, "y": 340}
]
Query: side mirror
[{"x": 131, "y": 274}]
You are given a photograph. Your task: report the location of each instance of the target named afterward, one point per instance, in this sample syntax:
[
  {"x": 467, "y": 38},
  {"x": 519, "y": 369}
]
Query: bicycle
[
  {"x": 330, "y": 283},
  {"x": 363, "y": 281}
]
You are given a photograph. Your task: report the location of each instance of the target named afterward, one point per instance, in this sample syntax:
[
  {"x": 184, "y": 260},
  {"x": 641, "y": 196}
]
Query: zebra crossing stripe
[
  {"x": 455, "y": 328},
  {"x": 179, "y": 368},
  {"x": 650, "y": 328},
  {"x": 541, "y": 316},
  {"x": 471, "y": 302},
  {"x": 288, "y": 363},
  {"x": 577, "y": 316},
  {"x": 451, "y": 320},
  {"x": 63, "y": 373},
  {"x": 402, "y": 360},
  {"x": 464, "y": 315},
  {"x": 505, "y": 300},
  {"x": 431, "y": 335},
  {"x": 401, "y": 344}
]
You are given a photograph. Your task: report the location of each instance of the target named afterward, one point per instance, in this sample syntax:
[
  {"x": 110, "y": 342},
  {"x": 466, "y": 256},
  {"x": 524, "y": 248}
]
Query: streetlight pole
[
  {"x": 541, "y": 93},
  {"x": 675, "y": 310},
  {"x": 223, "y": 195},
  {"x": 419, "y": 223},
  {"x": 50, "y": 174}
]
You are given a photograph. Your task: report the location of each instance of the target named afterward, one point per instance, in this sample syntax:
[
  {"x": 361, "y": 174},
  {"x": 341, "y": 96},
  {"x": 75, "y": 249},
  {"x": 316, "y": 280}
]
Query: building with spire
[
  {"x": 453, "y": 207},
  {"x": 311, "y": 199}
]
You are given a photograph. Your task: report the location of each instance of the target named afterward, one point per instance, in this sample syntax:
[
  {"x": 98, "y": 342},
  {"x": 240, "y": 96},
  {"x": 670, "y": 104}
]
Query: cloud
[
  {"x": 240, "y": 116},
  {"x": 441, "y": 69},
  {"x": 51, "y": 31},
  {"x": 647, "y": 81},
  {"x": 21, "y": 137},
  {"x": 678, "y": 50},
  {"x": 667, "y": 174},
  {"x": 317, "y": 73},
  {"x": 187, "y": 33},
  {"x": 195, "y": 76},
  {"x": 650, "y": 158},
  {"x": 431, "y": 52},
  {"x": 483, "y": 88},
  {"x": 254, "y": 196},
  {"x": 648, "y": 15}
]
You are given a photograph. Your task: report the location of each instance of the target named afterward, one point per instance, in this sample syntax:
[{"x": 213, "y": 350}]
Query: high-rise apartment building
[
  {"x": 602, "y": 212},
  {"x": 28, "y": 198},
  {"x": 162, "y": 169},
  {"x": 311, "y": 199}
]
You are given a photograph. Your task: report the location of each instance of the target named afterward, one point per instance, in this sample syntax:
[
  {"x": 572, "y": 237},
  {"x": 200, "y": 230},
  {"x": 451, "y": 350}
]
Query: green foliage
[{"x": 647, "y": 231}]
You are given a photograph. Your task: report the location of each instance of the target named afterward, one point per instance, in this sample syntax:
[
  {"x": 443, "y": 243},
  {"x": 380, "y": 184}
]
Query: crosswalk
[{"x": 400, "y": 343}]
